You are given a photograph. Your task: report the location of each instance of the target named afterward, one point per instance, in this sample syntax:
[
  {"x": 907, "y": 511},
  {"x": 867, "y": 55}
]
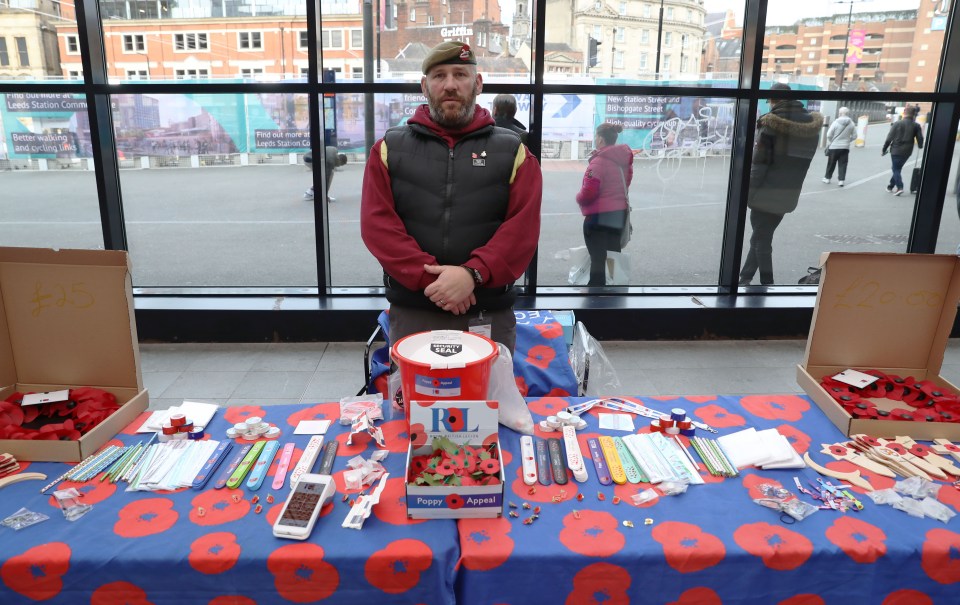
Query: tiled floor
[{"x": 237, "y": 374}]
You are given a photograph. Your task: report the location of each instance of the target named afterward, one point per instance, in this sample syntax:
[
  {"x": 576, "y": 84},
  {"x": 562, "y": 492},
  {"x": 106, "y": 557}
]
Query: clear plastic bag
[
  {"x": 595, "y": 374},
  {"x": 23, "y": 518},
  {"x": 502, "y": 388},
  {"x": 783, "y": 500}
]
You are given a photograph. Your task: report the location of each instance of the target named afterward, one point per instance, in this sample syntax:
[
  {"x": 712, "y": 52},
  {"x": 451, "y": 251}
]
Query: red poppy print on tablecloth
[
  {"x": 907, "y": 597},
  {"x": 548, "y": 406},
  {"x": 522, "y": 386},
  {"x": 321, "y": 411},
  {"x": 119, "y": 592},
  {"x": 392, "y": 508},
  {"x": 218, "y": 507},
  {"x": 778, "y": 547},
  {"x": 797, "y": 438},
  {"x": 231, "y": 600},
  {"x": 950, "y": 497},
  {"x": 214, "y": 553},
  {"x": 542, "y": 493},
  {"x": 859, "y": 540},
  {"x": 240, "y": 413},
  {"x": 600, "y": 584},
  {"x": 38, "y": 572},
  {"x": 718, "y": 417},
  {"x": 540, "y": 356},
  {"x": 549, "y": 330},
  {"x": 301, "y": 575},
  {"x": 145, "y": 518},
  {"x": 776, "y": 407},
  {"x": 92, "y": 492},
  {"x": 396, "y": 568},
  {"x": 594, "y": 534},
  {"x": 803, "y": 599},
  {"x": 939, "y": 556},
  {"x": 700, "y": 595},
  {"x": 485, "y": 544},
  {"x": 687, "y": 548}
]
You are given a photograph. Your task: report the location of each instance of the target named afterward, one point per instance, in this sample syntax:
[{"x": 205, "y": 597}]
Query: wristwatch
[{"x": 477, "y": 278}]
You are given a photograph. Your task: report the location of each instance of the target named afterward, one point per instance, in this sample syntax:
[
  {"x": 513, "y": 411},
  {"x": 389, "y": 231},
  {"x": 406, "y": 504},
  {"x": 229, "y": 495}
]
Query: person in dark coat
[
  {"x": 786, "y": 143},
  {"x": 504, "y": 110},
  {"x": 332, "y": 160},
  {"x": 900, "y": 145}
]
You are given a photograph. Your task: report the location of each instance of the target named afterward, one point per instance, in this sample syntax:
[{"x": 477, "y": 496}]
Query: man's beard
[{"x": 457, "y": 120}]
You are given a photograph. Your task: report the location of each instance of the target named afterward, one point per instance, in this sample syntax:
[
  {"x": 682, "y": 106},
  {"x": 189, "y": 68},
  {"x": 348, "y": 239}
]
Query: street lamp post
[
  {"x": 659, "y": 38},
  {"x": 846, "y": 41}
]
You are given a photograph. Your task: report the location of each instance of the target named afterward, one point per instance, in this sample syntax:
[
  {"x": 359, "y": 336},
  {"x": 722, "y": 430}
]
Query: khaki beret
[{"x": 449, "y": 52}]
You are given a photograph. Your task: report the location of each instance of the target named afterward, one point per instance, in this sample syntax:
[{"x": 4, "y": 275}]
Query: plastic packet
[
  {"x": 23, "y": 518},
  {"x": 70, "y": 505},
  {"x": 513, "y": 412},
  {"x": 647, "y": 495},
  {"x": 909, "y": 506},
  {"x": 595, "y": 374},
  {"x": 672, "y": 488},
  {"x": 352, "y": 407},
  {"x": 917, "y": 487},
  {"x": 781, "y": 499},
  {"x": 884, "y": 496},
  {"x": 935, "y": 509}
]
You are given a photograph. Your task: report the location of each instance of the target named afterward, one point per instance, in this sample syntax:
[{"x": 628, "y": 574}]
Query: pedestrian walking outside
[
  {"x": 900, "y": 145},
  {"x": 840, "y": 137},
  {"x": 786, "y": 143},
  {"x": 332, "y": 160}
]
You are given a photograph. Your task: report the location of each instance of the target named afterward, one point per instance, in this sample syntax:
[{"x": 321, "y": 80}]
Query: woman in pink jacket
[{"x": 603, "y": 198}]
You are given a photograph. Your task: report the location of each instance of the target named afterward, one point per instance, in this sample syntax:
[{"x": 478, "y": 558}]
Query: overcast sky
[{"x": 786, "y": 12}]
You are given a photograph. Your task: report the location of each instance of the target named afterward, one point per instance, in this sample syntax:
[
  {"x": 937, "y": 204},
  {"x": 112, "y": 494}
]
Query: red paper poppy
[
  {"x": 240, "y": 413},
  {"x": 38, "y": 572},
  {"x": 301, "y": 575},
  {"x": 145, "y": 518},
  {"x": 907, "y": 597},
  {"x": 214, "y": 553},
  {"x": 231, "y": 600},
  {"x": 687, "y": 548},
  {"x": 920, "y": 450},
  {"x": 718, "y": 417},
  {"x": 600, "y": 584},
  {"x": 861, "y": 541},
  {"x": 119, "y": 592},
  {"x": 321, "y": 411},
  {"x": 776, "y": 407},
  {"x": 445, "y": 468},
  {"x": 485, "y": 544},
  {"x": 838, "y": 450},
  {"x": 700, "y": 595},
  {"x": 778, "y": 547},
  {"x": 803, "y": 599},
  {"x": 950, "y": 497},
  {"x": 548, "y": 406},
  {"x": 937, "y": 556},
  {"x": 549, "y": 330},
  {"x": 490, "y": 466},
  {"x": 897, "y": 447},
  {"x": 594, "y": 534},
  {"x": 218, "y": 507},
  {"x": 396, "y": 568}
]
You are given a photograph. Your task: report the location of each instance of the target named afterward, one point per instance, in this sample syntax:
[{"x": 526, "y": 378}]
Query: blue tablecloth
[
  {"x": 140, "y": 547},
  {"x": 712, "y": 544}
]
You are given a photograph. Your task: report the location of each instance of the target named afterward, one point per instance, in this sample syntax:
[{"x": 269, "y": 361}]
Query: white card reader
[{"x": 303, "y": 506}]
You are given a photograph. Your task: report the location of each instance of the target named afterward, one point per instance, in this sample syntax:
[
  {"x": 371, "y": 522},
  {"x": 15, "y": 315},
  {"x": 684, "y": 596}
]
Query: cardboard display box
[
  {"x": 66, "y": 320},
  {"x": 472, "y": 423},
  {"x": 887, "y": 312}
]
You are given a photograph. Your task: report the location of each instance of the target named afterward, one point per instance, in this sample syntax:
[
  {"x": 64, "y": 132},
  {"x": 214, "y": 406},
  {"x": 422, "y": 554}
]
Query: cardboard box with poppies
[{"x": 454, "y": 469}]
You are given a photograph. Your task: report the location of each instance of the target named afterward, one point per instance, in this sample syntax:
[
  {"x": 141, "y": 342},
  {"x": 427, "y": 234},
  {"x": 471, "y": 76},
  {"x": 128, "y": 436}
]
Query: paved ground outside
[{"x": 250, "y": 226}]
